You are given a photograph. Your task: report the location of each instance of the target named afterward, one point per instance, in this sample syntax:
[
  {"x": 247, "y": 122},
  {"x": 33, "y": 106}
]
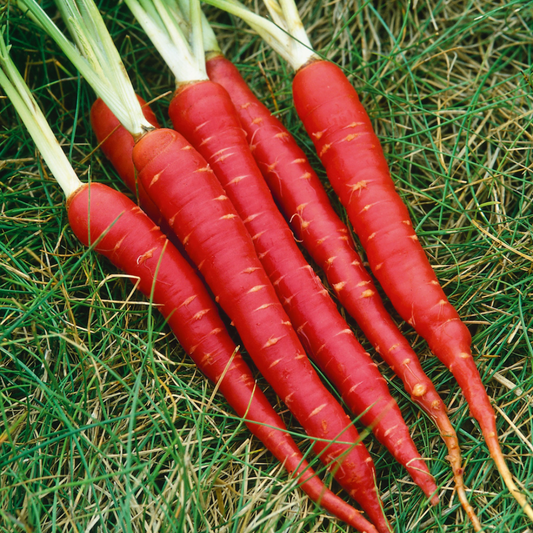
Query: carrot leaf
[
  {"x": 96, "y": 57},
  {"x": 278, "y": 35},
  {"x": 163, "y": 23},
  {"x": 20, "y": 95}
]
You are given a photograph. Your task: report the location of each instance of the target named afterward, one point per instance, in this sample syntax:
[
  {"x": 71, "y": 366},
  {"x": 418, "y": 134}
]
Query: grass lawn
[{"x": 105, "y": 423}]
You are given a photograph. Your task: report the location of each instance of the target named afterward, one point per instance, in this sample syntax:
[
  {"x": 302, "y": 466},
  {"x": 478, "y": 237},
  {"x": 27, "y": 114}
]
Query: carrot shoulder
[
  {"x": 125, "y": 235},
  {"x": 117, "y": 144},
  {"x": 184, "y": 187}
]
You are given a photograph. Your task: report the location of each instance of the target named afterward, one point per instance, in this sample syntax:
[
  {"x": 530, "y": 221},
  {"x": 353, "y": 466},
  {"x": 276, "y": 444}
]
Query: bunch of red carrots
[{"x": 205, "y": 185}]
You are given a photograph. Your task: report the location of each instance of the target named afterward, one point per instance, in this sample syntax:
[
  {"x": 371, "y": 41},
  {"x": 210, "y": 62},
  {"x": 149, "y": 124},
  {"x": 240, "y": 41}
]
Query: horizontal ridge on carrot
[
  {"x": 342, "y": 133},
  {"x": 194, "y": 204},
  {"x": 120, "y": 230},
  {"x": 203, "y": 112}
]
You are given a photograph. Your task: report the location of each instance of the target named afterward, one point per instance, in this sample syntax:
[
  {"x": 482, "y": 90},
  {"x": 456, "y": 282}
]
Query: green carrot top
[
  {"x": 20, "y": 96},
  {"x": 95, "y": 56},
  {"x": 286, "y": 34},
  {"x": 165, "y": 25}
]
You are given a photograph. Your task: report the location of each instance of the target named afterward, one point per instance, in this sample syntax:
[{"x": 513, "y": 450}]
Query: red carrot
[
  {"x": 349, "y": 149},
  {"x": 298, "y": 191},
  {"x": 126, "y": 236},
  {"x": 205, "y": 115},
  {"x": 190, "y": 198},
  {"x": 194, "y": 204},
  {"x": 122, "y": 232},
  {"x": 117, "y": 144},
  {"x": 351, "y": 153}
]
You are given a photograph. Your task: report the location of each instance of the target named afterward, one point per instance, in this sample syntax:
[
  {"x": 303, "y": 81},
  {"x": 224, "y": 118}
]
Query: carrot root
[
  {"x": 449, "y": 436},
  {"x": 204, "y": 113},
  {"x": 123, "y": 233}
]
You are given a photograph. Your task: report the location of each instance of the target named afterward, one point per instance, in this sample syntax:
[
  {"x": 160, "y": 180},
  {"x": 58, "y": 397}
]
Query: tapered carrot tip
[
  {"x": 332, "y": 503},
  {"x": 505, "y": 473},
  {"x": 454, "y": 457},
  {"x": 349, "y": 515},
  {"x": 422, "y": 477}
]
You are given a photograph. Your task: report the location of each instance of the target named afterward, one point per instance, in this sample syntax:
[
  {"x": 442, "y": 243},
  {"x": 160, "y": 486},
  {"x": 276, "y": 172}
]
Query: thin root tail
[
  {"x": 501, "y": 465},
  {"x": 454, "y": 457}
]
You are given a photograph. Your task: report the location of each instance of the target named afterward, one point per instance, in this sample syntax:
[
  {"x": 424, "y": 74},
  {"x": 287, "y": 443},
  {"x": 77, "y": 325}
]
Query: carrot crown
[
  {"x": 285, "y": 33},
  {"x": 20, "y": 96},
  {"x": 95, "y": 56}
]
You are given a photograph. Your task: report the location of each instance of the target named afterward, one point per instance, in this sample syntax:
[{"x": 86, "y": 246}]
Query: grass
[{"x": 106, "y": 425}]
